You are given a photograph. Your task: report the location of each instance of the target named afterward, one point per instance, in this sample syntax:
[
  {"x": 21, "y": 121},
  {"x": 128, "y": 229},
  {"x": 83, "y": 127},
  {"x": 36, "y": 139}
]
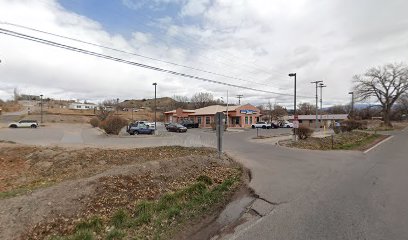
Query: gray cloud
[{"x": 261, "y": 41}]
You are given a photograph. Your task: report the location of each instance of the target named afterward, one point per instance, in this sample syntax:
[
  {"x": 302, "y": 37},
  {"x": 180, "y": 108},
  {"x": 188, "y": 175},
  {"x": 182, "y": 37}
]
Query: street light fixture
[
  {"x": 41, "y": 105},
  {"x": 352, "y": 105},
  {"x": 155, "y": 108},
  {"x": 317, "y": 82},
  {"x": 294, "y": 104}
]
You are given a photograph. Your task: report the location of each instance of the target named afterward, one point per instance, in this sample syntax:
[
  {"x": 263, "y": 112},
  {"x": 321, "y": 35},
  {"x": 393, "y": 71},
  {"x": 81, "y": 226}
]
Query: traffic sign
[{"x": 296, "y": 124}]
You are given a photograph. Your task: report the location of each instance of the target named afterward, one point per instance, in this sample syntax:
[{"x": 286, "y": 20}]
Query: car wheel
[
  {"x": 13, "y": 126},
  {"x": 253, "y": 126},
  {"x": 33, "y": 126},
  {"x": 137, "y": 132},
  {"x": 263, "y": 127}
]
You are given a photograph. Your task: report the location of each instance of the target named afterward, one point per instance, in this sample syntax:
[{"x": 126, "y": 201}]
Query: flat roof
[{"x": 323, "y": 117}]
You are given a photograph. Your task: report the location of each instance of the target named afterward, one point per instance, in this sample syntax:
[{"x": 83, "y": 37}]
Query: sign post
[
  {"x": 219, "y": 128},
  {"x": 295, "y": 126}
]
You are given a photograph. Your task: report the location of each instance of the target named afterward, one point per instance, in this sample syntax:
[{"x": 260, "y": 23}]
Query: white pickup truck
[
  {"x": 263, "y": 125},
  {"x": 24, "y": 124}
]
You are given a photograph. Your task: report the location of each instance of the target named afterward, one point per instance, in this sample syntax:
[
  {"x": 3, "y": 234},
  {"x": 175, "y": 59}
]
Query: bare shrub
[
  {"x": 350, "y": 125},
  {"x": 337, "y": 130},
  {"x": 113, "y": 124},
  {"x": 304, "y": 132},
  {"x": 95, "y": 122}
]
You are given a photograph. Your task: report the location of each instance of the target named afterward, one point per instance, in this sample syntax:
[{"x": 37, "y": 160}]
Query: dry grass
[
  {"x": 355, "y": 140},
  {"x": 10, "y": 106}
]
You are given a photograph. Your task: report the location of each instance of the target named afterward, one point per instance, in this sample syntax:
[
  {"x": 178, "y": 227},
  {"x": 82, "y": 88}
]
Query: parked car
[
  {"x": 139, "y": 128},
  {"x": 287, "y": 125},
  {"x": 24, "y": 124},
  {"x": 263, "y": 125},
  {"x": 189, "y": 124},
  {"x": 175, "y": 127}
]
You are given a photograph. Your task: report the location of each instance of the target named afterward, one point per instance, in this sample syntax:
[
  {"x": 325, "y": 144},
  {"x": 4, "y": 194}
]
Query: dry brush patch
[
  {"x": 355, "y": 140},
  {"x": 110, "y": 182},
  {"x": 31, "y": 166}
]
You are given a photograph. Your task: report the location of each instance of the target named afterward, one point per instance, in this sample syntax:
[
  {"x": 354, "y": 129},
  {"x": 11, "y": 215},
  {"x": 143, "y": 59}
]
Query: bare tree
[
  {"x": 385, "y": 83},
  {"x": 306, "y": 109},
  {"x": 202, "y": 99},
  {"x": 16, "y": 94},
  {"x": 180, "y": 101},
  {"x": 269, "y": 108},
  {"x": 278, "y": 112},
  {"x": 401, "y": 109}
]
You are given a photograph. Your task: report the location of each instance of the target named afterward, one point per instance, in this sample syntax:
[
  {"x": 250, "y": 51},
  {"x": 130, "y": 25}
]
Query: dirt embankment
[{"x": 58, "y": 187}]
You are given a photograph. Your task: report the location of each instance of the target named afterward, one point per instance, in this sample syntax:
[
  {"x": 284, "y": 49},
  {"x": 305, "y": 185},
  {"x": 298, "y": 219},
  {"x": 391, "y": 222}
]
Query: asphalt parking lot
[{"x": 85, "y": 135}]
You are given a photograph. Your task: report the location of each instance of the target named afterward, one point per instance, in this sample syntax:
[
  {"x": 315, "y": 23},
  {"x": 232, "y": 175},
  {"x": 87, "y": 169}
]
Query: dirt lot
[{"x": 47, "y": 191}]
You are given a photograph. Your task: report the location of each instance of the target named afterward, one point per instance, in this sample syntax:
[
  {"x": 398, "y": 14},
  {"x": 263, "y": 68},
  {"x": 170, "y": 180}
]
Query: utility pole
[
  {"x": 317, "y": 97},
  {"x": 227, "y": 110},
  {"x": 321, "y": 86},
  {"x": 294, "y": 105},
  {"x": 352, "y": 105},
  {"x": 41, "y": 104},
  {"x": 239, "y": 96},
  {"x": 155, "y": 108}
]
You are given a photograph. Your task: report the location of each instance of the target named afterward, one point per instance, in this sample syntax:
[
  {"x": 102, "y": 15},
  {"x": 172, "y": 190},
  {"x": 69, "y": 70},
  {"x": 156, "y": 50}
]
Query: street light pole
[
  {"x": 321, "y": 86},
  {"x": 294, "y": 104},
  {"x": 155, "y": 107},
  {"x": 41, "y": 105},
  {"x": 317, "y": 108},
  {"x": 352, "y": 105}
]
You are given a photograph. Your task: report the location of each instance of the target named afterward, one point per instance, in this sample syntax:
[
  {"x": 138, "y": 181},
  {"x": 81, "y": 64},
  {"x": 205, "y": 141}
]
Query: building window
[
  {"x": 78, "y": 106},
  {"x": 246, "y": 119},
  {"x": 250, "y": 120},
  {"x": 199, "y": 120},
  {"x": 207, "y": 120},
  {"x": 310, "y": 121},
  {"x": 300, "y": 121},
  {"x": 237, "y": 120}
]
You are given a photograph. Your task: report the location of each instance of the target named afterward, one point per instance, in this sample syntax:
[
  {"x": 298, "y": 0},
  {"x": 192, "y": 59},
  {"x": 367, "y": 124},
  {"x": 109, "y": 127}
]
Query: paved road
[
  {"x": 315, "y": 194},
  {"x": 331, "y": 195}
]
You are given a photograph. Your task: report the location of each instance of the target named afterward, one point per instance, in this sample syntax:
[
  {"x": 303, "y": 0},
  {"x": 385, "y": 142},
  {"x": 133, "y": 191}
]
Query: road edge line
[{"x": 378, "y": 144}]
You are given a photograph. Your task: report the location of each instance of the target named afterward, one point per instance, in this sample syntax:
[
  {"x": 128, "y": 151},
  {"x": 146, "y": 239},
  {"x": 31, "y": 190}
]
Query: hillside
[{"x": 163, "y": 104}]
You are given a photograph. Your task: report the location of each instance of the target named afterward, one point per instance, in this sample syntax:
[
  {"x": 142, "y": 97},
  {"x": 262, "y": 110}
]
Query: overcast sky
[{"x": 257, "y": 41}]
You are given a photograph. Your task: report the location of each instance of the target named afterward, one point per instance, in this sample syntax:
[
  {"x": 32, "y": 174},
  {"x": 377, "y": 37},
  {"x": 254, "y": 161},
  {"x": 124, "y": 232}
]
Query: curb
[{"x": 379, "y": 143}]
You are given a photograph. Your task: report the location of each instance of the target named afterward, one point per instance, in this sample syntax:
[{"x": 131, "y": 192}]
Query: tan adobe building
[
  {"x": 176, "y": 116},
  {"x": 238, "y": 116}
]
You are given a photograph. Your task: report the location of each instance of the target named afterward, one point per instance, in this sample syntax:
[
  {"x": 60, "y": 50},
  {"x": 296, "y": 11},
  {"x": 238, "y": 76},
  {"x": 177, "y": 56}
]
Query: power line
[
  {"x": 134, "y": 54},
  {"x": 87, "y": 52}
]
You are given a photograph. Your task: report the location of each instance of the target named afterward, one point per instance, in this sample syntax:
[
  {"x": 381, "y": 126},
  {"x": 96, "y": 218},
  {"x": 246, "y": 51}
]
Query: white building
[{"x": 82, "y": 106}]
